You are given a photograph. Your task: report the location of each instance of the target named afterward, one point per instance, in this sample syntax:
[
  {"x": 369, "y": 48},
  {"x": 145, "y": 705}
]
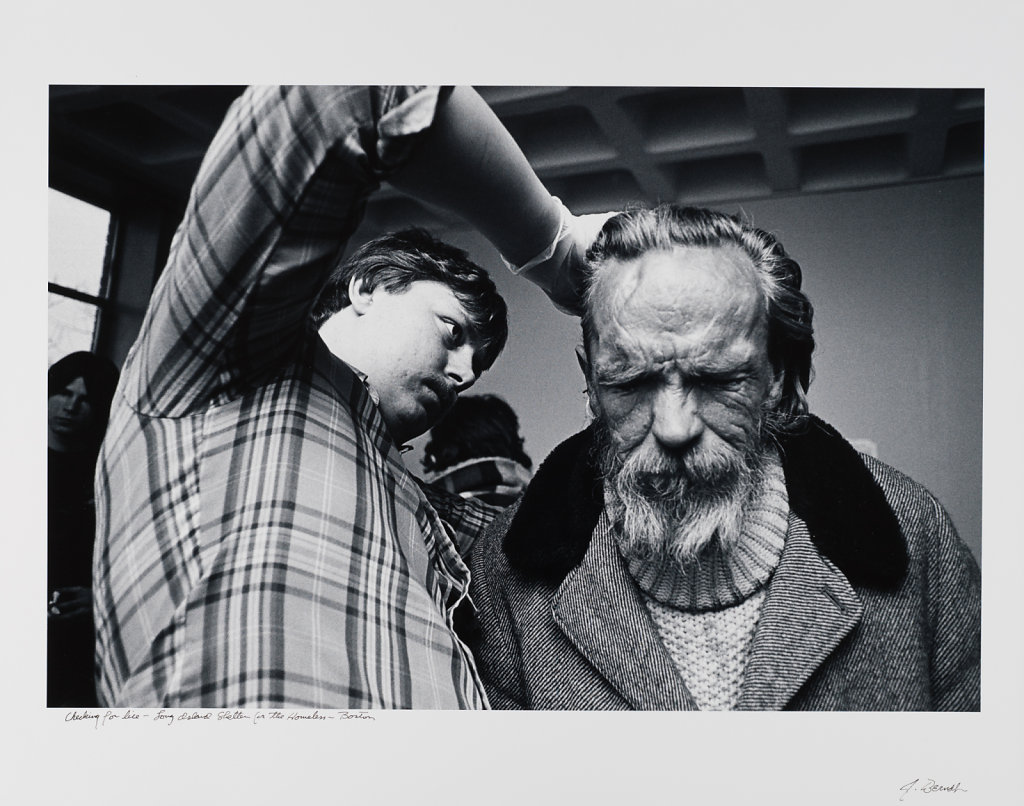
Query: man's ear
[{"x": 359, "y": 296}]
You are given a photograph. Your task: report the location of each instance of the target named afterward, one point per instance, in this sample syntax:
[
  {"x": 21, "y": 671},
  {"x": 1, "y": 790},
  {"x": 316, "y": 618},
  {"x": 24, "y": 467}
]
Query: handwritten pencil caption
[{"x": 106, "y": 718}]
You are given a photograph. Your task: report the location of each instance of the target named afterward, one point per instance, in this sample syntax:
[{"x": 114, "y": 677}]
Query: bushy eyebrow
[
  {"x": 621, "y": 372},
  {"x": 744, "y": 366}
]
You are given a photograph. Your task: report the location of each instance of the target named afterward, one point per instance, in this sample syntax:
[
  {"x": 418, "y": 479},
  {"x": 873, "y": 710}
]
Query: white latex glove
[{"x": 558, "y": 270}]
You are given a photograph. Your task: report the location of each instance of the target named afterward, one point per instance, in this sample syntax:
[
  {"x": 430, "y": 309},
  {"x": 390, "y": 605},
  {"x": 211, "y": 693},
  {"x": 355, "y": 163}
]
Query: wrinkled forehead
[{"x": 708, "y": 291}]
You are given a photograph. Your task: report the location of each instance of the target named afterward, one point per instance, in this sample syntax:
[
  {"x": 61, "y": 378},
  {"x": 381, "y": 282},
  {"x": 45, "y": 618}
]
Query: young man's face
[
  {"x": 416, "y": 350},
  {"x": 70, "y": 411}
]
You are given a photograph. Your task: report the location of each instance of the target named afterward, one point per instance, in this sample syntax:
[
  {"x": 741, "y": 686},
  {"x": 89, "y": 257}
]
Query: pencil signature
[{"x": 927, "y": 786}]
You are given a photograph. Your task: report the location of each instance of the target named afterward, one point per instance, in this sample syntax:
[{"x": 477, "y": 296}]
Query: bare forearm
[{"x": 469, "y": 164}]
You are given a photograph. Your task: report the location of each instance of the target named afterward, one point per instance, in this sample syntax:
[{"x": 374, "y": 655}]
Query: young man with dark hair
[
  {"x": 419, "y": 318},
  {"x": 260, "y": 542}
]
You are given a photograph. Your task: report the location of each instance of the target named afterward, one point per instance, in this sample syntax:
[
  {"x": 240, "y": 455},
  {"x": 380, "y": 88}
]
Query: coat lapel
[
  {"x": 842, "y": 533},
  {"x": 810, "y": 608},
  {"x": 599, "y": 609}
]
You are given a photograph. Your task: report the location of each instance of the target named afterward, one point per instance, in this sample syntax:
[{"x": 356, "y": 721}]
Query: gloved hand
[{"x": 558, "y": 270}]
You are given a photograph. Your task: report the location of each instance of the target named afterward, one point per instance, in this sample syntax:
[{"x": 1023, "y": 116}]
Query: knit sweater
[{"x": 706, "y": 613}]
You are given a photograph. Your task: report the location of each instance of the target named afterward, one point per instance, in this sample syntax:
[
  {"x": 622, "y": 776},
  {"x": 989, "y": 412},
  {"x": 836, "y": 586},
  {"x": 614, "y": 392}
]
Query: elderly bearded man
[{"x": 707, "y": 543}]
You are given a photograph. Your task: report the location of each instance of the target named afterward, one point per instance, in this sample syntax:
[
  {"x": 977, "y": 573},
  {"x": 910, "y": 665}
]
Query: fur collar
[{"x": 849, "y": 518}]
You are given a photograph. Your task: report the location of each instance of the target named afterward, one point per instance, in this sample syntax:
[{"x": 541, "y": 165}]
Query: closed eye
[{"x": 625, "y": 384}]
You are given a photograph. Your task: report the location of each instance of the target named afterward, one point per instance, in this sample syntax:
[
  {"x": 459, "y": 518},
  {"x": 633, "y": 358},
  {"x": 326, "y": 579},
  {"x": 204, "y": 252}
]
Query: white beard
[{"x": 672, "y": 507}]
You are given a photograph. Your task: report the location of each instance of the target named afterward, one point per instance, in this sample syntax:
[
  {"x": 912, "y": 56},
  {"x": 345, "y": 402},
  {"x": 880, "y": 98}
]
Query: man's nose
[
  {"x": 675, "y": 420},
  {"x": 460, "y": 367}
]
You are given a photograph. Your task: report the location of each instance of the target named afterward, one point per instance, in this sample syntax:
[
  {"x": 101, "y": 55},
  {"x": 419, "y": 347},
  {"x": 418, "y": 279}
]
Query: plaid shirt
[
  {"x": 497, "y": 480},
  {"x": 260, "y": 542}
]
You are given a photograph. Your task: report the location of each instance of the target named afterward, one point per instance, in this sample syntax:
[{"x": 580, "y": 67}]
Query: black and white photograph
[{"x": 592, "y": 402}]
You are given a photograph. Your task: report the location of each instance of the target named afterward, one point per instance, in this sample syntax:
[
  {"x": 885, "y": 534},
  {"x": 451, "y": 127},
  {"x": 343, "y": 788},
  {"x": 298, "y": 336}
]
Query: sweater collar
[
  {"x": 718, "y": 578},
  {"x": 829, "y": 487}
]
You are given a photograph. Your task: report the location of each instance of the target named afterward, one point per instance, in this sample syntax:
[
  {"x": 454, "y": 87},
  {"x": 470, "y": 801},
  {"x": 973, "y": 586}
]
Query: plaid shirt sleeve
[
  {"x": 282, "y": 187},
  {"x": 259, "y": 542}
]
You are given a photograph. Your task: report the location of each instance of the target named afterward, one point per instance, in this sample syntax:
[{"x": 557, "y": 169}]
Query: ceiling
[{"x": 595, "y": 147}]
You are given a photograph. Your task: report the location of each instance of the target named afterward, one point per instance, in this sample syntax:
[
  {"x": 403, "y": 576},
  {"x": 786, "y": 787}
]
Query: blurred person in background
[
  {"x": 79, "y": 390},
  {"x": 477, "y": 451}
]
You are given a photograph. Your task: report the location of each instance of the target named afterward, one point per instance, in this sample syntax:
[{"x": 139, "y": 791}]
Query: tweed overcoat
[{"x": 875, "y": 604}]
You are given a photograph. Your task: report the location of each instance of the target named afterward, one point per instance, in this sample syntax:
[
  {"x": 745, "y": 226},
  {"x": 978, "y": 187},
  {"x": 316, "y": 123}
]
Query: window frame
[{"x": 104, "y": 304}]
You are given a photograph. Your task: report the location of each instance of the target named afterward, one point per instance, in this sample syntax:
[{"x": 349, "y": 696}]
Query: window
[{"x": 78, "y": 256}]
